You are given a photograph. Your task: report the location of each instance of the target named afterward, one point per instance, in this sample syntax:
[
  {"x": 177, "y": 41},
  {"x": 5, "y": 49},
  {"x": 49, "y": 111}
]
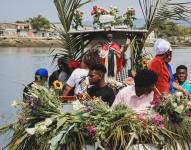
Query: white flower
[
  {"x": 14, "y": 104},
  {"x": 47, "y": 122},
  {"x": 30, "y": 131},
  {"x": 178, "y": 94},
  {"x": 41, "y": 129},
  {"x": 77, "y": 105}
]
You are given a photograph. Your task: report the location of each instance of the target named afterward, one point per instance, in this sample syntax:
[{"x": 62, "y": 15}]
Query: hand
[{"x": 129, "y": 81}]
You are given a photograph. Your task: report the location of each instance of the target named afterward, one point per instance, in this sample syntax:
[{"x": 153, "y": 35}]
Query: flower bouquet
[
  {"x": 176, "y": 109},
  {"x": 96, "y": 13},
  {"x": 129, "y": 16},
  {"x": 43, "y": 124},
  {"x": 77, "y": 19}
]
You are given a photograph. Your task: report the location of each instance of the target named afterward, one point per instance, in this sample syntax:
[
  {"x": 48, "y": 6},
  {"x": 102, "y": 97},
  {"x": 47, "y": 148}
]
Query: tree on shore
[{"x": 39, "y": 23}]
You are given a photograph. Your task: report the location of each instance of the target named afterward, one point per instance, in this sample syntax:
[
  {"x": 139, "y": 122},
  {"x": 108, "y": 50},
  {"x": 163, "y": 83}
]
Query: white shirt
[
  {"x": 128, "y": 97},
  {"x": 79, "y": 80}
]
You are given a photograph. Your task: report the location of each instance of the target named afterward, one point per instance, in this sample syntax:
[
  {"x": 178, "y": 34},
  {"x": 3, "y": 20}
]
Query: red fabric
[
  {"x": 160, "y": 68},
  {"x": 116, "y": 49}
]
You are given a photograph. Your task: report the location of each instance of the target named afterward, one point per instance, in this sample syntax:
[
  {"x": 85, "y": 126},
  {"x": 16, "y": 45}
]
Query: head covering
[
  {"x": 161, "y": 46},
  {"x": 42, "y": 72}
]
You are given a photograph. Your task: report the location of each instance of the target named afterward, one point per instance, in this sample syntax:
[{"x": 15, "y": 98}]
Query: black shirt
[{"x": 106, "y": 93}]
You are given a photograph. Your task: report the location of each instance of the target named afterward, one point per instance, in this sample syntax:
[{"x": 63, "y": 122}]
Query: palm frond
[
  {"x": 72, "y": 46},
  {"x": 155, "y": 12}
]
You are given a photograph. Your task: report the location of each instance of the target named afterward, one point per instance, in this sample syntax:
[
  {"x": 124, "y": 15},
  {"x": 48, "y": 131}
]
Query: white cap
[{"x": 161, "y": 46}]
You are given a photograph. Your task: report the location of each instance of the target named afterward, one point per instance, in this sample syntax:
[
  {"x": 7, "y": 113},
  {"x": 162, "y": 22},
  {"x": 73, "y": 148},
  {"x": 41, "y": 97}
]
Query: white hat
[{"x": 161, "y": 46}]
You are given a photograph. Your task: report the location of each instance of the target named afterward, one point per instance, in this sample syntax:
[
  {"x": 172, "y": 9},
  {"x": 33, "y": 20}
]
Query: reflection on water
[{"x": 17, "y": 67}]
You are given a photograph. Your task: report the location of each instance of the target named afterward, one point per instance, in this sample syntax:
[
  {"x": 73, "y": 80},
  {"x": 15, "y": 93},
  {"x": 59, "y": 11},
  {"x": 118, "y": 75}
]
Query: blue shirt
[
  {"x": 171, "y": 89},
  {"x": 186, "y": 85}
]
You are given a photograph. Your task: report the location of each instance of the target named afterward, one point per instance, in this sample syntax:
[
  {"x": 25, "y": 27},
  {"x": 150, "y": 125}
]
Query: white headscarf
[{"x": 161, "y": 46}]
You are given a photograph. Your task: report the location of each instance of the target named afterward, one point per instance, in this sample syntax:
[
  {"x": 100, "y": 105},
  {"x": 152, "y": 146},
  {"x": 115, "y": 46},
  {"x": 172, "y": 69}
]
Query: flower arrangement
[
  {"x": 129, "y": 16},
  {"x": 175, "y": 106},
  {"x": 43, "y": 122},
  {"x": 77, "y": 19},
  {"x": 96, "y": 13}
]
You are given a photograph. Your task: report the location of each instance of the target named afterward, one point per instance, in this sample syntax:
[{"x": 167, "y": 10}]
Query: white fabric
[
  {"x": 161, "y": 46},
  {"x": 76, "y": 77}
]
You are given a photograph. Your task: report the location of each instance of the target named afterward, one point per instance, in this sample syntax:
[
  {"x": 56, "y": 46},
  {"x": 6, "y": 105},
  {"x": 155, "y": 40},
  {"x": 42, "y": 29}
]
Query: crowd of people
[{"x": 146, "y": 87}]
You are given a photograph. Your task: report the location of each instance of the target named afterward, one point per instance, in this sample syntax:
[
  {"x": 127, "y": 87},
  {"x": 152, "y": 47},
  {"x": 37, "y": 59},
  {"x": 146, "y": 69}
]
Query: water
[
  {"x": 18, "y": 65},
  {"x": 17, "y": 68}
]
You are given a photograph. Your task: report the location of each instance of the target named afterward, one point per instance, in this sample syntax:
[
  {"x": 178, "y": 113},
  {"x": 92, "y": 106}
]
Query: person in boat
[
  {"x": 139, "y": 96},
  {"x": 61, "y": 74},
  {"x": 160, "y": 65},
  {"x": 182, "y": 75},
  {"x": 110, "y": 56},
  {"x": 79, "y": 77},
  {"x": 99, "y": 88},
  {"x": 41, "y": 78}
]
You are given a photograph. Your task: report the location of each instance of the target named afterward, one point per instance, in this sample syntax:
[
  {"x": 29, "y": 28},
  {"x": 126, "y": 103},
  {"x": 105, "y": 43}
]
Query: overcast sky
[{"x": 13, "y": 10}]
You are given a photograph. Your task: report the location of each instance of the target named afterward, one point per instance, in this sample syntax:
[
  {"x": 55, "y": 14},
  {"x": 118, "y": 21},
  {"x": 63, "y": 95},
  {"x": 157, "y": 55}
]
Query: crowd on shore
[{"x": 140, "y": 91}]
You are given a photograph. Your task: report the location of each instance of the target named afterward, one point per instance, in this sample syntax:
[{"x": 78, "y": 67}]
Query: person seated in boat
[
  {"x": 160, "y": 65},
  {"x": 99, "y": 88},
  {"x": 61, "y": 74},
  {"x": 79, "y": 77},
  {"x": 110, "y": 56},
  {"x": 182, "y": 75},
  {"x": 41, "y": 78},
  {"x": 139, "y": 96}
]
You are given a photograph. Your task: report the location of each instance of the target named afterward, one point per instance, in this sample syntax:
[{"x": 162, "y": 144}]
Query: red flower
[
  {"x": 73, "y": 64},
  {"x": 93, "y": 12},
  {"x": 94, "y": 7}
]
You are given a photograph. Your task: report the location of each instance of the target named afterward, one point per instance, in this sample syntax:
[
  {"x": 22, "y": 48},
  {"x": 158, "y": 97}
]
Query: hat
[
  {"x": 42, "y": 72},
  {"x": 161, "y": 46}
]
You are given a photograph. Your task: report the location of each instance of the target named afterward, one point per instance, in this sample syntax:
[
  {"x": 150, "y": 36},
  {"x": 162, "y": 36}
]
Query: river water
[{"x": 18, "y": 65}]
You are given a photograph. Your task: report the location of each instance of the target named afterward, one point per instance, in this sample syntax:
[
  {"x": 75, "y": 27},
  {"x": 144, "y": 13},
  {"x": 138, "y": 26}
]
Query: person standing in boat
[
  {"x": 79, "y": 77},
  {"x": 138, "y": 96},
  {"x": 110, "y": 56},
  {"x": 160, "y": 65},
  {"x": 62, "y": 74},
  {"x": 41, "y": 78},
  {"x": 182, "y": 75},
  {"x": 99, "y": 88}
]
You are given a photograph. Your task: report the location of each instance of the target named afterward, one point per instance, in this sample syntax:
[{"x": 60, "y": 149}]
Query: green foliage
[
  {"x": 39, "y": 23},
  {"x": 72, "y": 46},
  {"x": 168, "y": 29}
]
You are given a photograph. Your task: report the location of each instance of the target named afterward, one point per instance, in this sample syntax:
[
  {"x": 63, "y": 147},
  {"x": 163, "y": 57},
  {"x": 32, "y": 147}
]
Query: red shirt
[{"x": 160, "y": 68}]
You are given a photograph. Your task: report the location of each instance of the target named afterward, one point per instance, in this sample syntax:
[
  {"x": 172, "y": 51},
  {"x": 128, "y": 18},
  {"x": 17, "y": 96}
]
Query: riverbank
[
  {"x": 49, "y": 42},
  {"x": 28, "y": 42}
]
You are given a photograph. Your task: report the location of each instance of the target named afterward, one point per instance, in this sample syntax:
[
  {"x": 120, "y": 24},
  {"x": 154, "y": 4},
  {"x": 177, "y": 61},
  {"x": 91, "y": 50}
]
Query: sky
[{"x": 13, "y": 10}]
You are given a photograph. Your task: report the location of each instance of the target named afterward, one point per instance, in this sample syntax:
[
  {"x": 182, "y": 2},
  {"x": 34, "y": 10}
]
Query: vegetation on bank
[{"x": 177, "y": 34}]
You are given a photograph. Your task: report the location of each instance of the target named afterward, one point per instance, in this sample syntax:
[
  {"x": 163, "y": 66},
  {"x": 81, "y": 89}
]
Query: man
[
  {"x": 79, "y": 77},
  {"x": 160, "y": 65},
  {"x": 110, "y": 56},
  {"x": 99, "y": 87},
  {"x": 138, "y": 97},
  {"x": 41, "y": 78},
  {"x": 62, "y": 74},
  {"x": 182, "y": 74}
]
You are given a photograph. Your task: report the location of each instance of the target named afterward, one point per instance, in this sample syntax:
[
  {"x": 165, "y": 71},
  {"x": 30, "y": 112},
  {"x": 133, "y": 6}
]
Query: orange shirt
[{"x": 160, "y": 68}]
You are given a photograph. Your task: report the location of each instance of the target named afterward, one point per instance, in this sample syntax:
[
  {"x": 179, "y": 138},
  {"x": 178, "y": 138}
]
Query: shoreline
[
  {"x": 28, "y": 42},
  {"x": 49, "y": 42}
]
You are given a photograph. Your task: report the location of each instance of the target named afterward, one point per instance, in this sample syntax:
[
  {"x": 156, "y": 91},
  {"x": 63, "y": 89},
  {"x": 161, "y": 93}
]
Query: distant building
[
  {"x": 24, "y": 29},
  {"x": 8, "y": 30}
]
